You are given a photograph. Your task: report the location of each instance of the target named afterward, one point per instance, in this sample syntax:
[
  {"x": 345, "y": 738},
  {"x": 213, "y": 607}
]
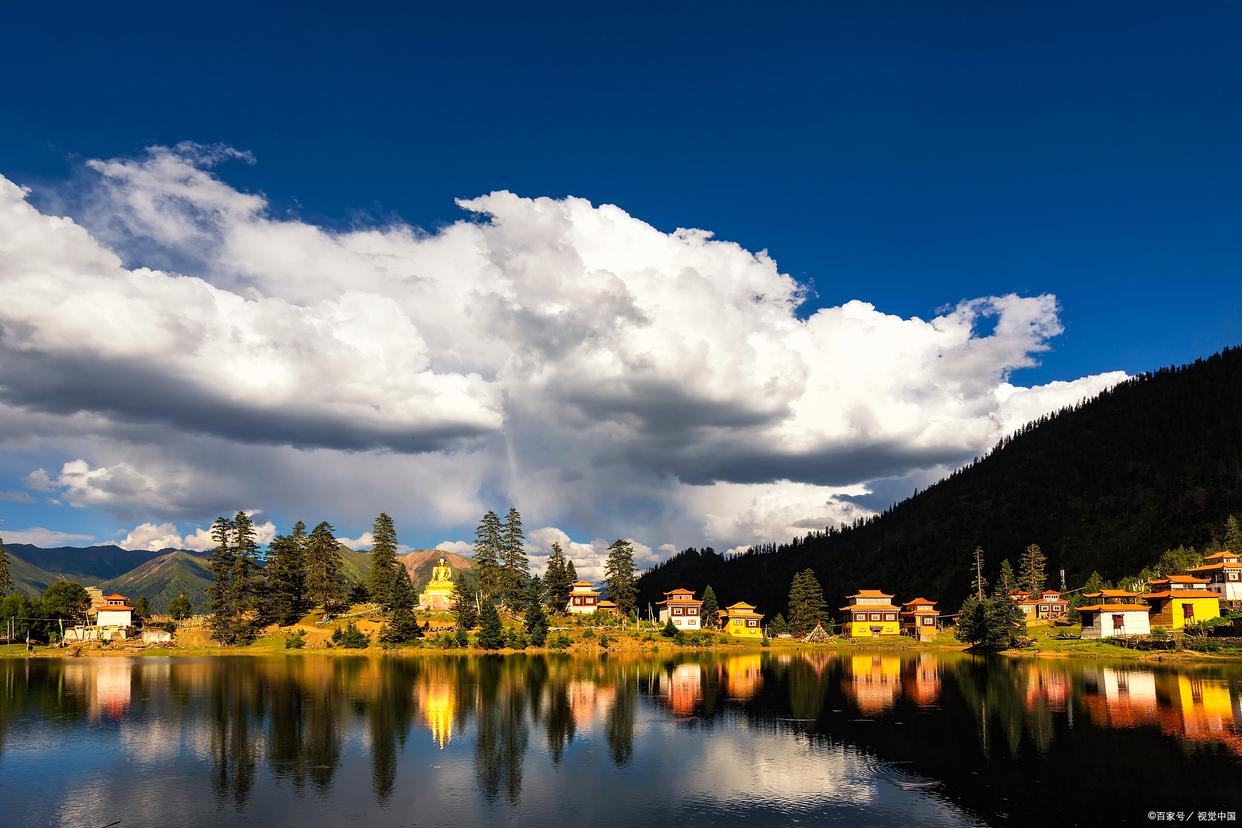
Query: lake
[{"x": 815, "y": 737}]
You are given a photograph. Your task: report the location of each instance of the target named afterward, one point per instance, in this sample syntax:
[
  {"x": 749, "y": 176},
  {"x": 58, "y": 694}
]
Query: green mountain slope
[
  {"x": 1107, "y": 485},
  {"x": 84, "y": 564},
  {"x": 29, "y": 579},
  {"x": 161, "y": 579}
]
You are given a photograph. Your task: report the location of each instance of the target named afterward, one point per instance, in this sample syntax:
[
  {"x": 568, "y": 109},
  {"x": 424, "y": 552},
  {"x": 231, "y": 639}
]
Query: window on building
[
  {"x": 676, "y": 610},
  {"x": 752, "y": 622},
  {"x": 1188, "y": 613},
  {"x": 1119, "y": 622},
  {"x": 875, "y": 616},
  {"x": 928, "y": 621},
  {"x": 890, "y": 616}
]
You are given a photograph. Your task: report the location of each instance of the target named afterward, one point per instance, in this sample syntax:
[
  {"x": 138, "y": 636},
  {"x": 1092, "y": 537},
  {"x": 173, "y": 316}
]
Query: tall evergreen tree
[
  {"x": 246, "y": 586},
  {"x": 1033, "y": 566},
  {"x": 514, "y": 565},
  {"x": 491, "y": 633},
  {"x": 464, "y": 610},
  {"x": 6, "y": 577},
  {"x": 286, "y": 576},
  {"x": 220, "y": 599},
  {"x": 382, "y": 579},
  {"x": 402, "y": 625},
  {"x": 536, "y": 620},
  {"x": 1006, "y": 582},
  {"x": 807, "y": 606},
  {"x": 710, "y": 608},
  {"x": 571, "y": 573},
  {"x": 619, "y": 576},
  {"x": 1233, "y": 535},
  {"x": 323, "y": 568},
  {"x": 556, "y": 580},
  {"x": 487, "y": 550}
]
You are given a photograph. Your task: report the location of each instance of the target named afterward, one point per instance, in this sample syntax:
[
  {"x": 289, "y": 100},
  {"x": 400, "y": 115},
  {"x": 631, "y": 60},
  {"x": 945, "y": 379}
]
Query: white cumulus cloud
[{"x": 561, "y": 355}]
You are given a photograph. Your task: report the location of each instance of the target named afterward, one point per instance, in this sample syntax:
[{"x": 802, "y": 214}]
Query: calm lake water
[{"x": 851, "y": 739}]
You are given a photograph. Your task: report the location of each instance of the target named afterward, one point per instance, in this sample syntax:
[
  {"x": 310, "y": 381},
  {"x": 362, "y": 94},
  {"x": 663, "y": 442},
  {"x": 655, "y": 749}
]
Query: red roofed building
[
  {"x": 918, "y": 619},
  {"x": 1044, "y": 608},
  {"x": 682, "y": 608},
  {"x": 1224, "y": 573}
]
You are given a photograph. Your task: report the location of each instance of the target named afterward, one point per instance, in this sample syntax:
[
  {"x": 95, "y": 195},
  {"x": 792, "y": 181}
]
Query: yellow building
[
  {"x": 1180, "y": 608},
  {"x": 870, "y": 613},
  {"x": 741, "y": 620},
  {"x": 439, "y": 594}
]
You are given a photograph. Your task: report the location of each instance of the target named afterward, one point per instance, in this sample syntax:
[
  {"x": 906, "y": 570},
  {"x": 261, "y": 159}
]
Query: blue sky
[{"x": 909, "y": 155}]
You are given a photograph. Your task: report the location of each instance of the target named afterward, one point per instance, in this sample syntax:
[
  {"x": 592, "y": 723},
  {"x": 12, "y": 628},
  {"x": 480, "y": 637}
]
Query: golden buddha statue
[{"x": 439, "y": 593}]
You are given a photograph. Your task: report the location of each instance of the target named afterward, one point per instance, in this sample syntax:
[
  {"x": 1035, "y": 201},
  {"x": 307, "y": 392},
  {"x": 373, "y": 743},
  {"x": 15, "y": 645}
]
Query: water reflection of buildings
[
  {"x": 1046, "y": 685},
  {"x": 743, "y": 676},
  {"x": 1121, "y": 697},
  {"x": 105, "y": 684},
  {"x": 439, "y": 705},
  {"x": 921, "y": 682},
  {"x": 589, "y": 702},
  {"x": 1201, "y": 709},
  {"x": 684, "y": 688},
  {"x": 875, "y": 681}
]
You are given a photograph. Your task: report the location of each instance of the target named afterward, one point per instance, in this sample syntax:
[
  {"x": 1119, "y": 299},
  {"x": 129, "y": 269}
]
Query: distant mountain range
[
  {"x": 162, "y": 575},
  {"x": 1107, "y": 485}
]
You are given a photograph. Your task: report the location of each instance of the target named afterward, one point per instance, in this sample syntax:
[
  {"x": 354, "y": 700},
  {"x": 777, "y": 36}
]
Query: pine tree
[
  {"x": 807, "y": 606},
  {"x": 464, "y": 612},
  {"x": 619, "y": 576},
  {"x": 1177, "y": 560},
  {"x": 556, "y": 580},
  {"x": 1094, "y": 583},
  {"x": 323, "y": 567},
  {"x": 514, "y": 565},
  {"x": 1034, "y": 576},
  {"x": 1233, "y": 535},
  {"x": 142, "y": 609},
  {"x": 286, "y": 576},
  {"x": 990, "y": 624},
  {"x": 491, "y": 634},
  {"x": 487, "y": 546},
  {"x": 980, "y": 584},
  {"x": 710, "y": 609},
  {"x": 180, "y": 608},
  {"x": 1006, "y": 582},
  {"x": 536, "y": 620},
  {"x": 220, "y": 593},
  {"x": 6, "y": 577},
  {"x": 246, "y": 586},
  {"x": 779, "y": 626},
  {"x": 382, "y": 579},
  {"x": 571, "y": 574},
  {"x": 402, "y": 625}
]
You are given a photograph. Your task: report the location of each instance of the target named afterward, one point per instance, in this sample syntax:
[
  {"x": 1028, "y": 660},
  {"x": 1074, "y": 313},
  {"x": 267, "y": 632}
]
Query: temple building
[
  {"x": 440, "y": 592},
  {"x": 918, "y": 619},
  {"x": 1224, "y": 573},
  {"x": 1043, "y": 608},
  {"x": 583, "y": 600},
  {"x": 682, "y": 609},
  {"x": 1105, "y": 618},
  {"x": 741, "y": 621},
  {"x": 1176, "y": 607},
  {"x": 869, "y": 614}
]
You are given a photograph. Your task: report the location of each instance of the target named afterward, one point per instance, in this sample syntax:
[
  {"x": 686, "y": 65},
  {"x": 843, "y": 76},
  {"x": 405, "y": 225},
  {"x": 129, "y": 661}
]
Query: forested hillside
[{"x": 1108, "y": 485}]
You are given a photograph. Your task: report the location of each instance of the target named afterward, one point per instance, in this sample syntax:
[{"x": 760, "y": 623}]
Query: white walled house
[
  {"x": 1108, "y": 620},
  {"x": 681, "y": 607},
  {"x": 115, "y": 611},
  {"x": 583, "y": 599},
  {"x": 1224, "y": 573}
]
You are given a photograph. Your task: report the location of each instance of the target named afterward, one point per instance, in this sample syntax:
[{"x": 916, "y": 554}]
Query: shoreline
[{"x": 1091, "y": 651}]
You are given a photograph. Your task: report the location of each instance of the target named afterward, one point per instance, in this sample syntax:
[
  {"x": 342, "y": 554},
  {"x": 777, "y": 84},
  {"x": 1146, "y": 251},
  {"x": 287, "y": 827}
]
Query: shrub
[
  {"x": 295, "y": 640},
  {"x": 670, "y": 629},
  {"x": 765, "y": 643},
  {"x": 604, "y": 641},
  {"x": 351, "y": 638},
  {"x": 560, "y": 641},
  {"x": 462, "y": 638}
]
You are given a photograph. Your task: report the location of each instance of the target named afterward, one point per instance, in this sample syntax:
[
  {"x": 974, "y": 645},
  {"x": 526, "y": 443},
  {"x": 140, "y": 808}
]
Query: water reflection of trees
[{"x": 295, "y": 714}]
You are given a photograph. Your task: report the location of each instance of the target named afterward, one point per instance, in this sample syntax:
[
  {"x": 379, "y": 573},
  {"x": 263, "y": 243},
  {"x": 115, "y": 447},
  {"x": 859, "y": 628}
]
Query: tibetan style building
[
  {"x": 869, "y": 614},
  {"x": 918, "y": 619},
  {"x": 681, "y": 607},
  {"x": 1224, "y": 573},
  {"x": 583, "y": 600},
  {"x": 741, "y": 621}
]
